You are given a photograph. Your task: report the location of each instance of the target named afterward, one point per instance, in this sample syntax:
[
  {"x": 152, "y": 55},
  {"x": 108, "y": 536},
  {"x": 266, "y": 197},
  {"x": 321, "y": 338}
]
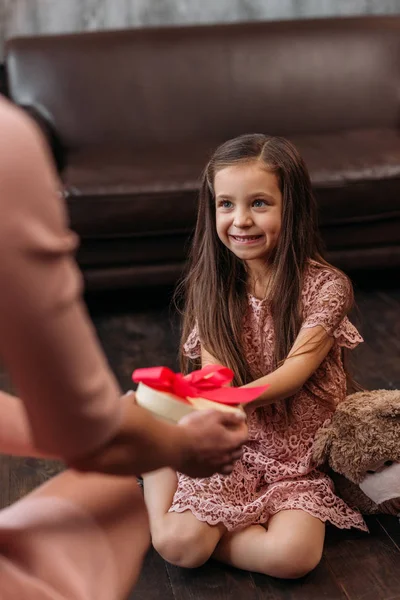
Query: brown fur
[{"x": 364, "y": 430}]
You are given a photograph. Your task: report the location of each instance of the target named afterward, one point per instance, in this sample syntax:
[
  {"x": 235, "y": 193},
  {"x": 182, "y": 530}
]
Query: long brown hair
[{"x": 215, "y": 287}]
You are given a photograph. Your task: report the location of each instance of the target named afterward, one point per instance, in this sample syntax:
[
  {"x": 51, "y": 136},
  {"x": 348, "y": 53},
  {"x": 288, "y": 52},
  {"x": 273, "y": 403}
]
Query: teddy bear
[{"x": 361, "y": 444}]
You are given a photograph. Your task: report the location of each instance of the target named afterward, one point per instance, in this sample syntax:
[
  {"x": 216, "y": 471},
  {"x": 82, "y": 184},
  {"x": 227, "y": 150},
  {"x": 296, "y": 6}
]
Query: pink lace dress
[{"x": 276, "y": 471}]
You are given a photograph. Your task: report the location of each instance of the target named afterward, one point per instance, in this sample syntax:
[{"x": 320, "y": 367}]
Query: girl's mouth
[{"x": 246, "y": 239}]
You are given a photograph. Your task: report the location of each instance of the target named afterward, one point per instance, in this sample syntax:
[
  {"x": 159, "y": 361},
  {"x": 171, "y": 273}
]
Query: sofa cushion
[
  {"x": 108, "y": 170},
  {"x": 153, "y": 190},
  {"x": 355, "y": 174},
  {"x": 345, "y": 159}
]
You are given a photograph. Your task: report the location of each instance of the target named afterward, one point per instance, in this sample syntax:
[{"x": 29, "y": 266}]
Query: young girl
[{"x": 261, "y": 300}]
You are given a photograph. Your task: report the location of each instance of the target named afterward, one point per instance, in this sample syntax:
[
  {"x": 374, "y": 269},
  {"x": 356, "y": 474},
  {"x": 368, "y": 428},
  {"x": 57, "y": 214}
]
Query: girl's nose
[{"x": 242, "y": 219}]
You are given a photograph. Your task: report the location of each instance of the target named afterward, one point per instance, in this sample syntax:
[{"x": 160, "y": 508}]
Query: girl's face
[{"x": 248, "y": 212}]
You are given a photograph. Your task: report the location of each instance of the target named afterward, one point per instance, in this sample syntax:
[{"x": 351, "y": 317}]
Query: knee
[
  {"x": 182, "y": 548},
  {"x": 293, "y": 561}
]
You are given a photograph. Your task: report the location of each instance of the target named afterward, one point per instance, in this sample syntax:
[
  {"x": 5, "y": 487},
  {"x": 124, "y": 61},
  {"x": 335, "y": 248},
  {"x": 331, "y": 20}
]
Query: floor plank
[
  {"x": 27, "y": 473},
  {"x": 4, "y": 481},
  {"x": 154, "y": 582},
  {"x": 366, "y": 566},
  {"x": 213, "y": 581},
  {"x": 377, "y": 360},
  {"x": 318, "y": 585},
  {"x": 391, "y": 526}
]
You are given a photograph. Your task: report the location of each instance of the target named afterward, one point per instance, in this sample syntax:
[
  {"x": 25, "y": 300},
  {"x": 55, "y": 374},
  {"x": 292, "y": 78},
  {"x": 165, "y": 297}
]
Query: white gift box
[{"x": 170, "y": 407}]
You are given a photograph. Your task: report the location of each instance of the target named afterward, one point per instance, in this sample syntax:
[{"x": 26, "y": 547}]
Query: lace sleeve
[
  {"x": 192, "y": 347},
  {"x": 325, "y": 300}
]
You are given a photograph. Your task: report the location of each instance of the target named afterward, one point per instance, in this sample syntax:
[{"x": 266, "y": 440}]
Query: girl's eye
[
  {"x": 260, "y": 203},
  {"x": 225, "y": 204}
]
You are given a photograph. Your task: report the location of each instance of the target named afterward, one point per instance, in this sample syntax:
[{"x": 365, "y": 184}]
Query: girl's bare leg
[
  {"x": 289, "y": 548},
  {"x": 180, "y": 538}
]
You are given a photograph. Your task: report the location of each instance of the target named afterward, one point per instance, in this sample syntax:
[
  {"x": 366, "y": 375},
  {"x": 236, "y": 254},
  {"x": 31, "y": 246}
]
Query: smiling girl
[{"x": 260, "y": 299}]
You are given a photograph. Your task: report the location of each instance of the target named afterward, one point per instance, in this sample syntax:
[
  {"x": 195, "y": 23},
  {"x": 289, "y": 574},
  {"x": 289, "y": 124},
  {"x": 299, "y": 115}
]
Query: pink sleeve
[
  {"x": 47, "y": 342},
  {"x": 325, "y": 304}
]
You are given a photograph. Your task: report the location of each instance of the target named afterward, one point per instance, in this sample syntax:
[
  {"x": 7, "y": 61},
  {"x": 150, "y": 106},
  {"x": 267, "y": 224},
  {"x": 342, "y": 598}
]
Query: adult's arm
[{"x": 47, "y": 342}]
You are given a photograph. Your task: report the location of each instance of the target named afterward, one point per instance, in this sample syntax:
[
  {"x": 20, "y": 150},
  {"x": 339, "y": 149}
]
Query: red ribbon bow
[{"x": 209, "y": 383}]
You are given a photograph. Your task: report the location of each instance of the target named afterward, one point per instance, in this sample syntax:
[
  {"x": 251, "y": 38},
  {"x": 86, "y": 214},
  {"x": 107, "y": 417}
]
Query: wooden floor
[{"x": 138, "y": 332}]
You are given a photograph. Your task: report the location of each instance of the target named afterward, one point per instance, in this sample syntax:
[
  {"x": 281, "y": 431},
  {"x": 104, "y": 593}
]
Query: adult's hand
[
  {"x": 204, "y": 443},
  {"x": 214, "y": 442}
]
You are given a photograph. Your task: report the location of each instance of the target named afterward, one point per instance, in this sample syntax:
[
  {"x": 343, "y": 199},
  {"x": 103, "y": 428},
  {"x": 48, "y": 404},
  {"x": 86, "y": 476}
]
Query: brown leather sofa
[{"x": 133, "y": 115}]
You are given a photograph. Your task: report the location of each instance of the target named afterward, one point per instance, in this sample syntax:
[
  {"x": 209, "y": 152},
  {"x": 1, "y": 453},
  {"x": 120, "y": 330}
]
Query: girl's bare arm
[{"x": 309, "y": 350}]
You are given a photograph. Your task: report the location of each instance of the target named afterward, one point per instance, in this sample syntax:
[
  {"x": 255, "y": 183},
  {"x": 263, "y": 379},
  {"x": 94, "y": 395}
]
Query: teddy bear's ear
[{"x": 322, "y": 444}]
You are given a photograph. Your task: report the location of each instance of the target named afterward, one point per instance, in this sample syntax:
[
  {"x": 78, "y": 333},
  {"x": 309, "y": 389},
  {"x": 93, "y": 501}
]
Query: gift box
[{"x": 172, "y": 396}]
